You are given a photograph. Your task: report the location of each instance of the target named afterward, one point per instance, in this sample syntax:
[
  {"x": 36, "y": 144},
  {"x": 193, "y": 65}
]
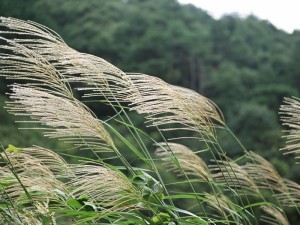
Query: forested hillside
[{"x": 245, "y": 65}]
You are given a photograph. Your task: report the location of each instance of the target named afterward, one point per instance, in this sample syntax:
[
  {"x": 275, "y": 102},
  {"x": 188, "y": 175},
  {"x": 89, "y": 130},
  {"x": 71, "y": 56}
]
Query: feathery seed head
[
  {"x": 189, "y": 161},
  {"x": 230, "y": 173},
  {"x": 263, "y": 173},
  {"x": 221, "y": 204},
  {"x": 290, "y": 194},
  {"x": 290, "y": 116},
  {"x": 273, "y": 215},
  {"x": 61, "y": 118},
  {"x": 105, "y": 187},
  {"x": 166, "y": 105},
  {"x": 44, "y": 45},
  {"x": 34, "y": 175}
]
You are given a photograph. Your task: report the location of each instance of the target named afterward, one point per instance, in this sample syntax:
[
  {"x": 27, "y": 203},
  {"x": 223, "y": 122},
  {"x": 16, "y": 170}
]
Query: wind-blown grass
[{"x": 39, "y": 187}]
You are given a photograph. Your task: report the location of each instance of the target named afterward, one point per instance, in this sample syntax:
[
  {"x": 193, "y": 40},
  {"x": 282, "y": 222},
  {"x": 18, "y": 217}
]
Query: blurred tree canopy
[{"x": 245, "y": 65}]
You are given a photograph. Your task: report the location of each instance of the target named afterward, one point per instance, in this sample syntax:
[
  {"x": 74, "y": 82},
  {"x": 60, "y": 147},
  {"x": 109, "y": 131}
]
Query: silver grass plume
[
  {"x": 60, "y": 118},
  {"x": 189, "y": 161},
  {"x": 21, "y": 63},
  {"x": 273, "y": 215},
  {"x": 54, "y": 162},
  {"x": 266, "y": 177},
  {"x": 291, "y": 195},
  {"x": 38, "y": 179},
  {"x": 39, "y": 61},
  {"x": 199, "y": 103},
  {"x": 31, "y": 217},
  {"x": 103, "y": 78},
  {"x": 109, "y": 190},
  {"x": 37, "y": 169},
  {"x": 263, "y": 173},
  {"x": 106, "y": 80},
  {"x": 290, "y": 117},
  {"x": 166, "y": 105},
  {"x": 235, "y": 176},
  {"x": 27, "y": 28},
  {"x": 222, "y": 205}
]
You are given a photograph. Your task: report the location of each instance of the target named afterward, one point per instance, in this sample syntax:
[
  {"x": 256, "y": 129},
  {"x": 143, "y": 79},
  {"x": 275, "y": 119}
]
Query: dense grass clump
[{"x": 101, "y": 184}]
